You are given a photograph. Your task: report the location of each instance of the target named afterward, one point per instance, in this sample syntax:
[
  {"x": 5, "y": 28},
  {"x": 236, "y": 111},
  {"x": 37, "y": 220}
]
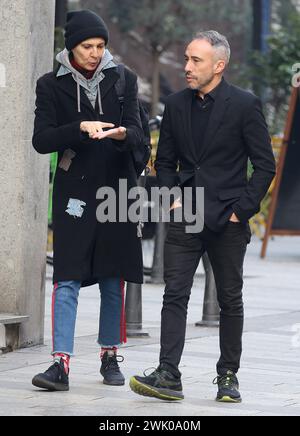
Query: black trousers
[{"x": 183, "y": 251}]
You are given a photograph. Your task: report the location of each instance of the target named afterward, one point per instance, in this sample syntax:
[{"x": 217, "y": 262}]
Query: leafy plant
[{"x": 273, "y": 71}]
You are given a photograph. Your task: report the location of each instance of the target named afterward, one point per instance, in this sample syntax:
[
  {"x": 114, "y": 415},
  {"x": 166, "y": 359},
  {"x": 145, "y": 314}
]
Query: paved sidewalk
[{"x": 270, "y": 373}]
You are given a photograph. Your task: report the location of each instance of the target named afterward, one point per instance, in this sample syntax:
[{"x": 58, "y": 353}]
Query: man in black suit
[{"x": 210, "y": 130}]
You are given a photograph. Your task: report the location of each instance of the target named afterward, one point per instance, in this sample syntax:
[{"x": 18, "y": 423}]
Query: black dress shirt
[{"x": 201, "y": 111}]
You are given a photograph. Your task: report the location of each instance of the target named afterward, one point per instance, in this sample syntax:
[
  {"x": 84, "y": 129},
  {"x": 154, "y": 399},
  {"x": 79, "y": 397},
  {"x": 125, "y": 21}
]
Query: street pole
[
  {"x": 133, "y": 304},
  {"x": 133, "y": 308},
  {"x": 61, "y": 9},
  {"x": 262, "y": 11},
  {"x": 211, "y": 310},
  {"x": 157, "y": 273}
]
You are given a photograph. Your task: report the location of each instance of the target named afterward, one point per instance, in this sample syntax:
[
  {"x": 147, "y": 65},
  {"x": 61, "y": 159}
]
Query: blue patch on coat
[{"x": 75, "y": 208}]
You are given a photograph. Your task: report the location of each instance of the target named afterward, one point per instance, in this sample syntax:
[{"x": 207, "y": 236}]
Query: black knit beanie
[{"x": 82, "y": 25}]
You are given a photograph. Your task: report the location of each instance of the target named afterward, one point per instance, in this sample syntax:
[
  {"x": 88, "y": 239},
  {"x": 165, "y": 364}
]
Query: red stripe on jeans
[
  {"x": 123, "y": 335},
  {"x": 52, "y": 312}
]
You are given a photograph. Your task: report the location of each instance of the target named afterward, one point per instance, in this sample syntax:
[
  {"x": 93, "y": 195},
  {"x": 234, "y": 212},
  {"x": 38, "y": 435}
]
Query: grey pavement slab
[{"x": 270, "y": 368}]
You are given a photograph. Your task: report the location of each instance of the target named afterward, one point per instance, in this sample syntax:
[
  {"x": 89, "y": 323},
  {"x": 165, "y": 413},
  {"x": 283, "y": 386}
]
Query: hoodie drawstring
[
  {"x": 100, "y": 100},
  {"x": 78, "y": 95}
]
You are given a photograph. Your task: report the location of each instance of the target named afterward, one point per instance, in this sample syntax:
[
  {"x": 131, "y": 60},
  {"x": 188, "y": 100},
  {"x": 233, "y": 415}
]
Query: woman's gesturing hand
[
  {"x": 95, "y": 129},
  {"x": 119, "y": 134}
]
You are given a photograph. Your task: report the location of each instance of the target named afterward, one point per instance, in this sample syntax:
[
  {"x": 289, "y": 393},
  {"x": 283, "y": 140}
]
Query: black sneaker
[
  {"x": 110, "y": 370},
  {"x": 160, "y": 384},
  {"x": 228, "y": 391},
  {"x": 54, "y": 379}
]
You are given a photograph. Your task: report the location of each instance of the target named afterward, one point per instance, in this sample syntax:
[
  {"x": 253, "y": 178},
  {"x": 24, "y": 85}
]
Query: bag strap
[{"x": 120, "y": 85}]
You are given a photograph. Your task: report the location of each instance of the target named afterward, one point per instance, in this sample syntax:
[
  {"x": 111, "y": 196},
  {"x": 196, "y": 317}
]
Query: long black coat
[
  {"x": 236, "y": 132},
  {"x": 84, "y": 249}
]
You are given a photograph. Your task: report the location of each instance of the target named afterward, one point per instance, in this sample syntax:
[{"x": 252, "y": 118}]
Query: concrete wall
[{"x": 26, "y": 52}]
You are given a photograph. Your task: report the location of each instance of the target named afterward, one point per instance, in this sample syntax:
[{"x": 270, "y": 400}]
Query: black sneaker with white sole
[{"x": 54, "y": 379}]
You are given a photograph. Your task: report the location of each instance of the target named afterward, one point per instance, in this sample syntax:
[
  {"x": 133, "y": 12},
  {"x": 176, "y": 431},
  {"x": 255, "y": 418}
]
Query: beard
[{"x": 202, "y": 82}]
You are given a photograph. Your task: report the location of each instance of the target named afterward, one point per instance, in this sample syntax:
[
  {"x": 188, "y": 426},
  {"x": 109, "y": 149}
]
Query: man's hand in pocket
[{"x": 176, "y": 204}]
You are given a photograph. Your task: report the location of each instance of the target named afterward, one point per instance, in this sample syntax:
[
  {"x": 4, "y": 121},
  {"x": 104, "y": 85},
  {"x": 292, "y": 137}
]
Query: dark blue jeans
[{"x": 112, "y": 323}]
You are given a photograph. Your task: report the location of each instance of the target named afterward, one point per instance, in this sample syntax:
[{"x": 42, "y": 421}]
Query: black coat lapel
[{"x": 217, "y": 114}]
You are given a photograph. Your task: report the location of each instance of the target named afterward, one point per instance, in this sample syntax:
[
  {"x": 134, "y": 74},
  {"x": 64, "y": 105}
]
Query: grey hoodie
[{"x": 91, "y": 86}]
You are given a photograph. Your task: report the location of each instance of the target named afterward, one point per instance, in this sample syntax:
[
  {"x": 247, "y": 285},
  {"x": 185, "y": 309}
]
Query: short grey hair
[{"x": 218, "y": 41}]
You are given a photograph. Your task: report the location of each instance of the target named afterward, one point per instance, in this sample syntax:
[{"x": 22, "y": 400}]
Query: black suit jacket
[{"x": 236, "y": 132}]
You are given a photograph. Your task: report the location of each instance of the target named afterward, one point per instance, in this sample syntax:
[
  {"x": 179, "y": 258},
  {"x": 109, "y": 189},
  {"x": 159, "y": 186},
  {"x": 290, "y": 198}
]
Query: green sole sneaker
[
  {"x": 227, "y": 399},
  {"x": 150, "y": 391}
]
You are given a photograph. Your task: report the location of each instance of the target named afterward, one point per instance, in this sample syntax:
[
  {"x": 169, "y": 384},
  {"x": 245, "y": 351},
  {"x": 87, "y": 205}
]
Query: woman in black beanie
[{"x": 73, "y": 107}]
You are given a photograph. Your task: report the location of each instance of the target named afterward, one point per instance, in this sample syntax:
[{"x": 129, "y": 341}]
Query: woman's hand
[
  {"x": 119, "y": 134},
  {"x": 95, "y": 129}
]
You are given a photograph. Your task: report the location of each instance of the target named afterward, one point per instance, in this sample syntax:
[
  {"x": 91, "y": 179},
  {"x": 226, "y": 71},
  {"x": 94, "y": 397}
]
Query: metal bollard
[
  {"x": 211, "y": 309},
  {"x": 133, "y": 303},
  {"x": 157, "y": 273},
  {"x": 133, "y": 308}
]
